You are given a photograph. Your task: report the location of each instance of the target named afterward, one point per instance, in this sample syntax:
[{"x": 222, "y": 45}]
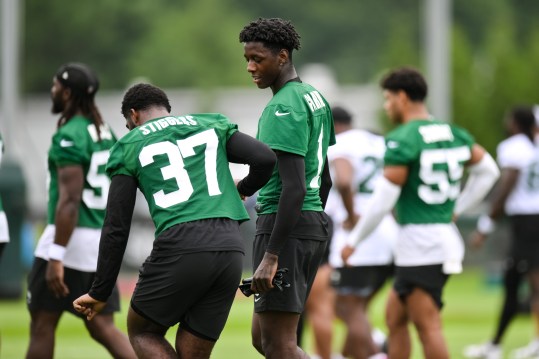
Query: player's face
[
  {"x": 57, "y": 96},
  {"x": 392, "y": 106},
  {"x": 262, "y": 64}
]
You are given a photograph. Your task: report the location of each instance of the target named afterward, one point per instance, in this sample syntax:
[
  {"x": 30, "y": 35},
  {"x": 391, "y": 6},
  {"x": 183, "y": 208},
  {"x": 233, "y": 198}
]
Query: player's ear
[
  {"x": 66, "y": 93},
  {"x": 135, "y": 116},
  {"x": 283, "y": 56}
]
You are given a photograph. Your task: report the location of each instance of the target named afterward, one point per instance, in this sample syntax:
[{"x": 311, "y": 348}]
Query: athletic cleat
[
  {"x": 483, "y": 351},
  {"x": 529, "y": 351}
]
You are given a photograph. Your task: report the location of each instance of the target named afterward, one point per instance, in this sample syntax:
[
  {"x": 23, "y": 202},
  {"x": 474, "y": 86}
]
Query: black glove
[{"x": 277, "y": 281}]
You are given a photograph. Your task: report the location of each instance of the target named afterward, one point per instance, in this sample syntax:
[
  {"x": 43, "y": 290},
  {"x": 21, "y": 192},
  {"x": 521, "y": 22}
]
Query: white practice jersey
[
  {"x": 518, "y": 152},
  {"x": 365, "y": 152}
]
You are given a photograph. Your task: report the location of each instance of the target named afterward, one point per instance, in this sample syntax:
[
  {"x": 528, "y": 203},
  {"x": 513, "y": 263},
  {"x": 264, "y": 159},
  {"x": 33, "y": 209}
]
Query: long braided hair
[{"x": 83, "y": 83}]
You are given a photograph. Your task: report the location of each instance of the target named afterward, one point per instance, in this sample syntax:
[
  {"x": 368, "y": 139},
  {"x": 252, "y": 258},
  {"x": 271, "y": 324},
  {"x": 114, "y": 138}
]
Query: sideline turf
[{"x": 470, "y": 315}]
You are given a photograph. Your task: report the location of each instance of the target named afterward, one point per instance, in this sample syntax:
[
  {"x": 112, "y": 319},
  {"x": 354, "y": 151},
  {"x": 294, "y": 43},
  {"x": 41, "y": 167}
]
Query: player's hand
[
  {"x": 55, "y": 278},
  {"x": 88, "y": 306},
  {"x": 350, "y": 222},
  {"x": 346, "y": 252},
  {"x": 262, "y": 279},
  {"x": 477, "y": 239},
  {"x": 242, "y": 196}
]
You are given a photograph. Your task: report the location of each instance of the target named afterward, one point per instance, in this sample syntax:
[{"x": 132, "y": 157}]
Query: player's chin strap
[
  {"x": 383, "y": 199},
  {"x": 482, "y": 176}
]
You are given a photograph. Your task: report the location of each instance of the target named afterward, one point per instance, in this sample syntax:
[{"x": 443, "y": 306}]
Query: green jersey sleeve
[
  {"x": 116, "y": 164},
  {"x": 69, "y": 148}
]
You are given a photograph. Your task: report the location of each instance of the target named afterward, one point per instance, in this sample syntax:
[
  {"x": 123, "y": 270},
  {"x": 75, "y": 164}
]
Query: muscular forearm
[
  {"x": 502, "y": 190},
  {"x": 70, "y": 186},
  {"x": 66, "y": 218}
]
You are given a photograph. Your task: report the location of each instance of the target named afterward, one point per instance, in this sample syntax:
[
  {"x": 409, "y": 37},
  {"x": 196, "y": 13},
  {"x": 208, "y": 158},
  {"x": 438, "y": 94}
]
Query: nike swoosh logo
[
  {"x": 257, "y": 297},
  {"x": 66, "y": 143},
  {"x": 277, "y": 113}
]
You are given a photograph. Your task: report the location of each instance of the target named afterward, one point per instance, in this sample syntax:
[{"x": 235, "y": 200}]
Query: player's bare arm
[{"x": 70, "y": 182}]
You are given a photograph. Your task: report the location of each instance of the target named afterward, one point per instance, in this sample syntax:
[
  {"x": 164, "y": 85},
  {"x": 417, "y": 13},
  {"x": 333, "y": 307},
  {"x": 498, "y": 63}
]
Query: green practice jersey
[
  {"x": 435, "y": 153},
  {"x": 77, "y": 143},
  {"x": 297, "y": 120},
  {"x": 181, "y": 167}
]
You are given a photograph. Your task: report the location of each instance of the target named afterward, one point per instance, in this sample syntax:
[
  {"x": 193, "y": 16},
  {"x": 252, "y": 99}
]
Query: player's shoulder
[
  {"x": 74, "y": 125},
  {"x": 299, "y": 97},
  {"x": 515, "y": 144},
  {"x": 460, "y": 132},
  {"x": 210, "y": 119}
]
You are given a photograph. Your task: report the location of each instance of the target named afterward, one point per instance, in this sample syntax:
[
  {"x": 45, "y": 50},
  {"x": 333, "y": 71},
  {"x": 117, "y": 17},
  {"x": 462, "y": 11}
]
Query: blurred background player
[
  {"x": 4, "y": 229},
  {"x": 66, "y": 254},
  {"x": 356, "y": 163},
  {"x": 319, "y": 310},
  {"x": 423, "y": 168},
  {"x": 517, "y": 195},
  {"x": 181, "y": 165},
  {"x": 292, "y": 229}
]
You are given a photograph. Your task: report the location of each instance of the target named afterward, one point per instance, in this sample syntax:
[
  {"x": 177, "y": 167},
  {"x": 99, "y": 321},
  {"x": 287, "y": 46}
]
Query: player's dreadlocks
[
  {"x": 84, "y": 84},
  {"x": 275, "y": 33},
  {"x": 143, "y": 96},
  {"x": 525, "y": 120}
]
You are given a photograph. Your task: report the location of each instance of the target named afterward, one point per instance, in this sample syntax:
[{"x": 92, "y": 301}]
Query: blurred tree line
[{"x": 194, "y": 43}]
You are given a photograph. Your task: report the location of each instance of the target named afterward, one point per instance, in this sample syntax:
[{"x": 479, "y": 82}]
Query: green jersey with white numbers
[
  {"x": 297, "y": 120},
  {"x": 76, "y": 143},
  {"x": 435, "y": 153},
  {"x": 181, "y": 166}
]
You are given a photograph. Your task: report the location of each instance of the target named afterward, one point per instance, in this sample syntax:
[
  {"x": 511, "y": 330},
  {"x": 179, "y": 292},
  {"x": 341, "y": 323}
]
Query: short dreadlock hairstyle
[
  {"x": 275, "y": 33},
  {"x": 142, "y": 97}
]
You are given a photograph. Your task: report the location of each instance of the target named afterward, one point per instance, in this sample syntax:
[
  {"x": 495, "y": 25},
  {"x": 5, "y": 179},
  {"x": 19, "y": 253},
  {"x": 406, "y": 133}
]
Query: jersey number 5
[
  {"x": 441, "y": 172},
  {"x": 97, "y": 179}
]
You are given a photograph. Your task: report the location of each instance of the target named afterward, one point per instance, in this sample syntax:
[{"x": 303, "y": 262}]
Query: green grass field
[{"x": 469, "y": 317}]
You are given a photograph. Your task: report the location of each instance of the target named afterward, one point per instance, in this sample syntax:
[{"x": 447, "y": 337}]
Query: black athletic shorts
[
  {"x": 325, "y": 257},
  {"x": 194, "y": 289},
  {"x": 39, "y": 297},
  {"x": 430, "y": 278},
  {"x": 360, "y": 281},
  {"x": 524, "y": 249},
  {"x": 301, "y": 255}
]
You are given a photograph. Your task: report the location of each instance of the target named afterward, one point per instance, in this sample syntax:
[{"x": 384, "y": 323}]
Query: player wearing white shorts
[{"x": 423, "y": 169}]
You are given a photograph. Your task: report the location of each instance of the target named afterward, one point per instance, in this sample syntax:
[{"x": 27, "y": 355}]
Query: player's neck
[
  {"x": 151, "y": 114},
  {"x": 289, "y": 73},
  {"x": 416, "y": 111}
]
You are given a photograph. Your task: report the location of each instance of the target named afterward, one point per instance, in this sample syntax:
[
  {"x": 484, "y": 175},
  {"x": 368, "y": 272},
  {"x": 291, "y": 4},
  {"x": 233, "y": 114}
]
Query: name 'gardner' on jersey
[
  {"x": 435, "y": 153},
  {"x": 182, "y": 180}
]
